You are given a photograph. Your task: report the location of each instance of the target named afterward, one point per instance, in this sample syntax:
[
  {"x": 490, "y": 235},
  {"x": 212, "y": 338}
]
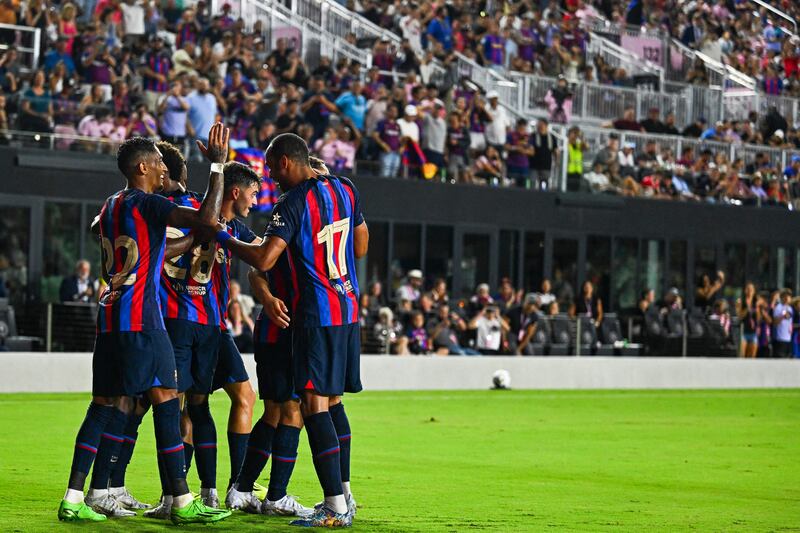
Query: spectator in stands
[
  {"x": 434, "y": 134},
  {"x": 589, "y": 305},
  {"x": 439, "y": 28},
  {"x": 707, "y": 292},
  {"x": 81, "y": 286},
  {"x": 155, "y": 70},
  {"x": 389, "y": 333},
  {"x": 142, "y": 123},
  {"x": 625, "y": 159},
  {"x": 480, "y": 299},
  {"x": 36, "y": 107},
  {"x": 240, "y": 327},
  {"x": 59, "y": 55},
  {"x": 439, "y": 292},
  {"x": 748, "y": 313},
  {"x": 559, "y": 102},
  {"x": 353, "y": 104},
  {"x": 669, "y": 125},
  {"x": 387, "y": 136},
  {"x": 444, "y": 331},
  {"x": 498, "y": 122},
  {"x": 245, "y": 300},
  {"x": 627, "y": 122},
  {"x": 695, "y": 129},
  {"x": 647, "y": 301},
  {"x": 576, "y": 146},
  {"x": 457, "y": 147},
  {"x": 490, "y": 330},
  {"x": 519, "y": 151},
  {"x": 174, "y": 109},
  {"x": 545, "y": 149},
  {"x": 782, "y": 318},
  {"x": 652, "y": 124},
  {"x": 202, "y": 113},
  {"x": 545, "y": 296},
  {"x": 489, "y": 167},
  {"x": 597, "y": 180},
  {"x": 523, "y": 324},
  {"x": 410, "y": 290},
  {"x": 418, "y": 341},
  {"x": 608, "y": 154}
]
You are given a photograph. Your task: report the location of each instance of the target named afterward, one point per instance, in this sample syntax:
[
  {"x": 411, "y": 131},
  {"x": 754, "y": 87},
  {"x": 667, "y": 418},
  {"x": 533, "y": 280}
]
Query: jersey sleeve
[
  {"x": 358, "y": 217},
  {"x": 286, "y": 216},
  {"x": 242, "y": 232},
  {"x": 156, "y": 209}
]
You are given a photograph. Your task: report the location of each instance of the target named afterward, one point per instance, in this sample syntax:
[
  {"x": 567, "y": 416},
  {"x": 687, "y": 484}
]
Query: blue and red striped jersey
[
  {"x": 133, "y": 232},
  {"x": 222, "y": 274},
  {"x": 316, "y": 219},
  {"x": 282, "y": 284},
  {"x": 187, "y": 290}
]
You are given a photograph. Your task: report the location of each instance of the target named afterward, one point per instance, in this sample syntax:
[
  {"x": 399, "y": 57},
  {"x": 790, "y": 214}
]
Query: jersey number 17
[{"x": 327, "y": 237}]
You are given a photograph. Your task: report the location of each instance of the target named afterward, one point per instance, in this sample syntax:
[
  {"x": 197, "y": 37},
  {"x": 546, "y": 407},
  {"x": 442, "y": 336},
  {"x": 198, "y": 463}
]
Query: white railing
[
  {"x": 602, "y": 25},
  {"x": 340, "y": 21},
  {"x": 781, "y": 14},
  {"x": 682, "y": 58},
  {"x": 739, "y": 104},
  {"x": 617, "y": 56},
  {"x": 27, "y": 41},
  {"x": 314, "y": 42}
]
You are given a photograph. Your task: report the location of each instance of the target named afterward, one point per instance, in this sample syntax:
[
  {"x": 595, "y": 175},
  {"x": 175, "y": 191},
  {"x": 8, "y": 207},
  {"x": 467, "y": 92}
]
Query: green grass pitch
[{"x": 471, "y": 461}]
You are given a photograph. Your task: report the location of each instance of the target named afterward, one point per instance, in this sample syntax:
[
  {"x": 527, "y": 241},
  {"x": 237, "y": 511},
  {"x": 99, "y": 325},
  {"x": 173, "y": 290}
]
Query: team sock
[
  {"x": 204, "y": 435},
  {"x": 284, "y": 456},
  {"x": 325, "y": 449},
  {"x": 130, "y": 434},
  {"x": 87, "y": 442},
  {"x": 259, "y": 447},
  {"x": 166, "y": 420},
  {"x": 111, "y": 441},
  {"x": 342, "y": 425},
  {"x": 188, "y": 453},
  {"x": 237, "y": 448}
]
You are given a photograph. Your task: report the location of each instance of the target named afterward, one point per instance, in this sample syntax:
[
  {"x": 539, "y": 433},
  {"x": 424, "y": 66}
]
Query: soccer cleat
[
  {"x": 325, "y": 517},
  {"x": 352, "y": 508},
  {"x": 210, "y": 498},
  {"x": 78, "y": 512},
  {"x": 197, "y": 513},
  {"x": 243, "y": 501},
  {"x": 260, "y": 491},
  {"x": 286, "y": 506},
  {"x": 126, "y": 500},
  {"x": 108, "y": 506},
  {"x": 160, "y": 511}
]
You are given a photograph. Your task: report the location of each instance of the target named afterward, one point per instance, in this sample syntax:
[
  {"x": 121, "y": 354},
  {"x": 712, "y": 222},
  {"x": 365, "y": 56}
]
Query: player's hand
[
  {"x": 277, "y": 312},
  {"x": 217, "y": 149}
]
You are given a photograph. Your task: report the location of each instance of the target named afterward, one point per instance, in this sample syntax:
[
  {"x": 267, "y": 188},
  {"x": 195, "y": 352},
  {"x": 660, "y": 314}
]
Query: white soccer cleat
[
  {"x": 352, "y": 508},
  {"x": 108, "y": 506},
  {"x": 161, "y": 511},
  {"x": 286, "y": 506},
  {"x": 243, "y": 501},
  {"x": 209, "y": 498},
  {"x": 126, "y": 500}
]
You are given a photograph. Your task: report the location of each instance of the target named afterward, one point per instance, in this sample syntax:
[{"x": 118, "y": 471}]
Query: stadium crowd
[
  {"x": 422, "y": 319},
  {"x": 112, "y": 70}
]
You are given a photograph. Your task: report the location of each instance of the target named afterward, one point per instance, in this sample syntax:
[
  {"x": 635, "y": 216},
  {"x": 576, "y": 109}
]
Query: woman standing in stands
[
  {"x": 590, "y": 305},
  {"x": 748, "y": 313},
  {"x": 763, "y": 327},
  {"x": 37, "y": 108}
]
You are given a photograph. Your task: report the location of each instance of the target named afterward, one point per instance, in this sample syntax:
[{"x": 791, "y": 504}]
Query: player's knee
[
  {"x": 291, "y": 415},
  {"x": 126, "y": 404},
  {"x": 199, "y": 412},
  {"x": 245, "y": 397}
]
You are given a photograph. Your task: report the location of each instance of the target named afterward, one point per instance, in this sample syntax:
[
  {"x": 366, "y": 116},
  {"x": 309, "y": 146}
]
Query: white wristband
[{"x": 219, "y": 168}]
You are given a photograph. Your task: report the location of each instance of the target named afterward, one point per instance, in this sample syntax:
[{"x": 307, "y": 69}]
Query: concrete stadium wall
[{"x": 71, "y": 372}]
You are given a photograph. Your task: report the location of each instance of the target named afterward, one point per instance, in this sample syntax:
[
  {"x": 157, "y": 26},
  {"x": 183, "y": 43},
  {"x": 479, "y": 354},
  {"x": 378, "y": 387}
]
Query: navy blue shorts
[
  {"x": 128, "y": 363},
  {"x": 274, "y": 369},
  {"x": 326, "y": 360},
  {"x": 230, "y": 366},
  {"x": 195, "y": 347}
]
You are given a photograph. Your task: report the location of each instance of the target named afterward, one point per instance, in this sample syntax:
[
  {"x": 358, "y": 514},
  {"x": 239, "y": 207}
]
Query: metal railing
[
  {"x": 617, "y": 56},
  {"x": 27, "y": 42},
  {"x": 682, "y": 58},
  {"x": 340, "y": 21}
]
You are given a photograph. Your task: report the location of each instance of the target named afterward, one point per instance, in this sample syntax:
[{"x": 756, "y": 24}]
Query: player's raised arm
[
  {"x": 261, "y": 257},
  {"x": 208, "y": 214}
]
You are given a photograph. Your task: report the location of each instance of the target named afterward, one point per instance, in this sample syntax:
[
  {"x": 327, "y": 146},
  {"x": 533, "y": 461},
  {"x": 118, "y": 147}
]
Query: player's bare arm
[
  {"x": 261, "y": 257},
  {"x": 177, "y": 247},
  {"x": 274, "y": 307},
  {"x": 361, "y": 240},
  {"x": 208, "y": 213}
]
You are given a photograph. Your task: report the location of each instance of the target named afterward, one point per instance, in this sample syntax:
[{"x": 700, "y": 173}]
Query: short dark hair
[
  {"x": 173, "y": 158},
  {"x": 239, "y": 174},
  {"x": 290, "y": 145},
  {"x": 131, "y": 153}
]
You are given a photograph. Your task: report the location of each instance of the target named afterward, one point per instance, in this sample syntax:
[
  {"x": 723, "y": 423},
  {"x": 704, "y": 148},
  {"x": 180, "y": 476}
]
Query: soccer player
[
  {"x": 132, "y": 353},
  {"x": 319, "y": 220},
  {"x": 277, "y": 432}
]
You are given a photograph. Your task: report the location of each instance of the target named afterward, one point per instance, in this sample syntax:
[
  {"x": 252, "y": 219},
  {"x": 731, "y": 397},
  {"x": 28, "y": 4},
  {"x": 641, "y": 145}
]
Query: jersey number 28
[{"x": 326, "y": 237}]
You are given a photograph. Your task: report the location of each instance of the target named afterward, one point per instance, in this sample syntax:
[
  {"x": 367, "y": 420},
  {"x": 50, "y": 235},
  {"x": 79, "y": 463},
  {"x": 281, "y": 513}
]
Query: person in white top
[
  {"x": 133, "y": 13},
  {"x": 409, "y": 129},
  {"x": 496, "y": 129},
  {"x": 411, "y": 27}
]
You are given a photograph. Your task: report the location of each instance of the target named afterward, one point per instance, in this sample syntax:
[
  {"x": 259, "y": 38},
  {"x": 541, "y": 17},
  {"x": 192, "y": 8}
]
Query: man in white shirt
[
  {"x": 133, "y": 13},
  {"x": 409, "y": 129},
  {"x": 496, "y": 130},
  {"x": 411, "y": 27},
  {"x": 489, "y": 330}
]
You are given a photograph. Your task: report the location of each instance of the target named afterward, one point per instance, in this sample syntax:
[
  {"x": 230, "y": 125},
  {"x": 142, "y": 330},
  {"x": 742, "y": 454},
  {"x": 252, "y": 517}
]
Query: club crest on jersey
[
  {"x": 276, "y": 221},
  {"x": 343, "y": 288}
]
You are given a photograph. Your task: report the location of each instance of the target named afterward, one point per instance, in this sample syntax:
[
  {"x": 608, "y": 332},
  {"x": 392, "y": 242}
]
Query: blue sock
[
  {"x": 259, "y": 446},
  {"x": 130, "y": 434},
  {"x": 204, "y": 435},
  {"x": 325, "y": 449},
  {"x": 342, "y": 426},
  {"x": 108, "y": 452},
  {"x": 284, "y": 456},
  {"x": 167, "y": 420},
  {"x": 237, "y": 447},
  {"x": 188, "y": 452},
  {"x": 87, "y": 442}
]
